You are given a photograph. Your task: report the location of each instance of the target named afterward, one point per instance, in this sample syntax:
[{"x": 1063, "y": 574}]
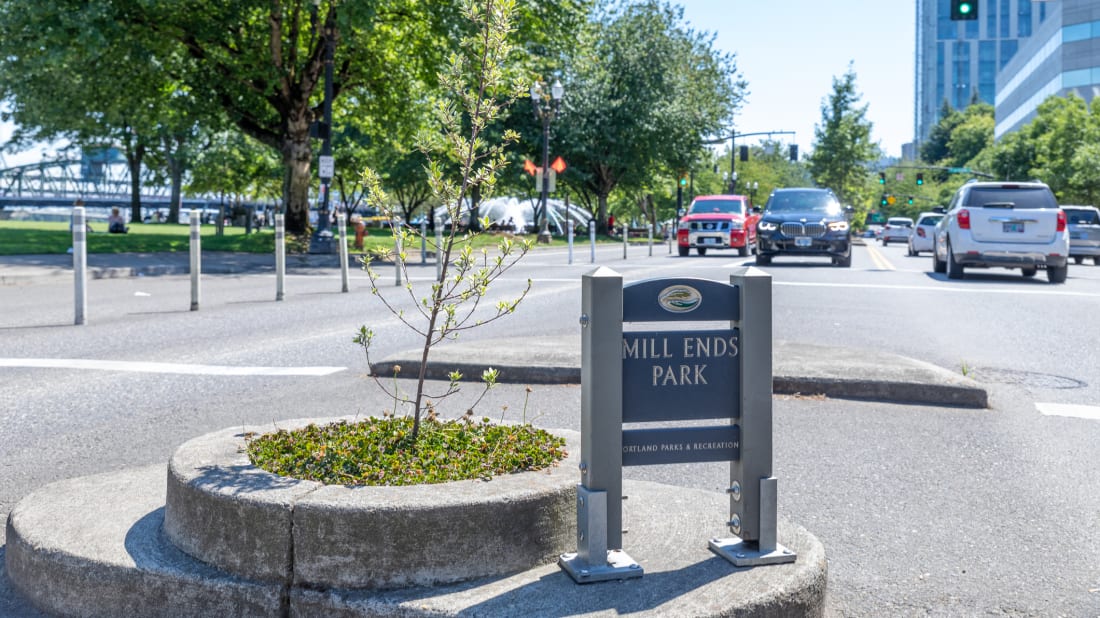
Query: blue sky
[{"x": 790, "y": 51}]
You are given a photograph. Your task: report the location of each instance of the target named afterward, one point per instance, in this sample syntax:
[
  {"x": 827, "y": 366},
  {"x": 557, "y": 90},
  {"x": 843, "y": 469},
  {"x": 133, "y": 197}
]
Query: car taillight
[
  {"x": 920, "y": 232},
  {"x": 1061, "y": 220},
  {"x": 964, "y": 219}
]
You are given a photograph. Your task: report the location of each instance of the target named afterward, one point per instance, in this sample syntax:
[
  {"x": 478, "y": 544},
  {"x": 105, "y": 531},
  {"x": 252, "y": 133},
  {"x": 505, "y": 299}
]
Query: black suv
[{"x": 804, "y": 222}]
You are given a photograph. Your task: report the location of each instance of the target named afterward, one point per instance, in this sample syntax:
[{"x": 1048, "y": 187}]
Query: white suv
[{"x": 1002, "y": 224}]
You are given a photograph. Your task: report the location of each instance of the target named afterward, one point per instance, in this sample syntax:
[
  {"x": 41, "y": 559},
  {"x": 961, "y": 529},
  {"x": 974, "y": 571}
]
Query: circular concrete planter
[{"x": 230, "y": 514}]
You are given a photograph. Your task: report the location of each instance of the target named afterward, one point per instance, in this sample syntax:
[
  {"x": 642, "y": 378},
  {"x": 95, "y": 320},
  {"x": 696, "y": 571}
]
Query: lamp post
[
  {"x": 546, "y": 109},
  {"x": 322, "y": 241}
]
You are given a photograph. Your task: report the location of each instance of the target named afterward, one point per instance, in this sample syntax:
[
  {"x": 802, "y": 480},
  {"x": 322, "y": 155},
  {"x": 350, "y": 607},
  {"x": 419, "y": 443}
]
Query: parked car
[
  {"x": 1002, "y": 224},
  {"x": 804, "y": 222},
  {"x": 718, "y": 222},
  {"x": 921, "y": 238},
  {"x": 1084, "y": 233},
  {"x": 897, "y": 229}
]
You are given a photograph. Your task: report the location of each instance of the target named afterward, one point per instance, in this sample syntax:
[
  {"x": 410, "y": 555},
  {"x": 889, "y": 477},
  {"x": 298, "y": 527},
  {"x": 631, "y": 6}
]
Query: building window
[
  {"x": 987, "y": 70},
  {"x": 991, "y": 19},
  {"x": 1005, "y": 15},
  {"x": 1008, "y": 50},
  {"x": 941, "y": 74},
  {"x": 960, "y": 74},
  {"x": 1023, "y": 19}
]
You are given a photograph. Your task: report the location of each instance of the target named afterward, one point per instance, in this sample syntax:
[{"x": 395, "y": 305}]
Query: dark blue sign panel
[
  {"x": 680, "y": 375},
  {"x": 681, "y": 299},
  {"x": 646, "y": 447}
]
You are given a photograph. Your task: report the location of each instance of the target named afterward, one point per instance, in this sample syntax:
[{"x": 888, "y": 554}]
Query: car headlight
[
  {"x": 683, "y": 225},
  {"x": 838, "y": 226},
  {"x": 737, "y": 225},
  {"x": 767, "y": 226}
]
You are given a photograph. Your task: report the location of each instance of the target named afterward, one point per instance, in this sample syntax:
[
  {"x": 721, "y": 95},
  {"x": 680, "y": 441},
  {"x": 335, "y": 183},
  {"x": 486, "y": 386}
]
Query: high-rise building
[
  {"x": 958, "y": 61},
  {"x": 1062, "y": 56}
]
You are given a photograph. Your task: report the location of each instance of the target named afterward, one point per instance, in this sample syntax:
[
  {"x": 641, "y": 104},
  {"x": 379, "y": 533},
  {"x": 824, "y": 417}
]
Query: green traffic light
[{"x": 965, "y": 8}]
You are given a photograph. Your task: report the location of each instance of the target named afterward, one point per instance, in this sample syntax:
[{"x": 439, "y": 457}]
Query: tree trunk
[
  {"x": 175, "y": 171},
  {"x": 297, "y": 159},
  {"x": 133, "y": 161},
  {"x": 601, "y": 218},
  {"x": 475, "y": 208}
]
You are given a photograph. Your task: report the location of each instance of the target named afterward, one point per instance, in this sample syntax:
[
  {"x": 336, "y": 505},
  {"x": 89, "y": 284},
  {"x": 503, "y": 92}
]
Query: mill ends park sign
[{"x": 664, "y": 376}]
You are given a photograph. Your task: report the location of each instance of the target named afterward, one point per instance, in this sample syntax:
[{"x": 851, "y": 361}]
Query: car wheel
[
  {"x": 954, "y": 269},
  {"x": 1077, "y": 259},
  {"x": 743, "y": 251},
  {"x": 701, "y": 250},
  {"x": 1057, "y": 274},
  {"x": 683, "y": 250},
  {"x": 1096, "y": 261},
  {"x": 844, "y": 261},
  {"x": 1028, "y": 272},
  {"x": 911, "y": 252},
  {"x": 885, "y": 242},
  {"x": 763, "y": 260},
  {"x": 937, "y": 265}
]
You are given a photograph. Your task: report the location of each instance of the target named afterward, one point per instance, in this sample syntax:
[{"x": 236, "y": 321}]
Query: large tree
[
  {"x": 642, "y": 93},
  {"x": 842, "y": 143},
  {"x": 262, "y": 63}
]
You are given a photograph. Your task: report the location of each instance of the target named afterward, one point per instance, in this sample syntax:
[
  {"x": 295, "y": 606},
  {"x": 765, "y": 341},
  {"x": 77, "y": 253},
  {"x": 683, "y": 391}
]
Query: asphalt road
[{"x": 923, "y": 511}]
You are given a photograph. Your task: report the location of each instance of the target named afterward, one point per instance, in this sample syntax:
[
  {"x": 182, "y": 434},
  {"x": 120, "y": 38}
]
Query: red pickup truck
[{"x": 718, "y": 222}]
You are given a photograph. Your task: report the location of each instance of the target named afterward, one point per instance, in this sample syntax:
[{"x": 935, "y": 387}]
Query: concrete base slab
[{"x": 92, "y": 547}]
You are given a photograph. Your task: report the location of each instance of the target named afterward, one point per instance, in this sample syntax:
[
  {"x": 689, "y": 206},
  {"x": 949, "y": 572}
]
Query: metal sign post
[{"x": 665, "y": 376}]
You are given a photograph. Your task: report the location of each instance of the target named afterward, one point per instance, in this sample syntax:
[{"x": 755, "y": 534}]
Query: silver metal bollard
[
  {"x": 626, "y": 239},
  {"x": 423, "y": 242},
  {"x": 438, "y": 253},
  {"x": 280, "y": 254},
  {"x": 592, "y": 239},
  {"x": 397, "y": 249},
  {"x": 342, "y": 228},
  {"x": 196, "y": 260},
  {"x": 650, "y": 240},
  {"x": 80, "y": 264},
  {"x": 569, "y": 235}
]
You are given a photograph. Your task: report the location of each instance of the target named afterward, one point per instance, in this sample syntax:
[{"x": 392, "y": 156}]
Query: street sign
[{"x": 326, "y": 167}]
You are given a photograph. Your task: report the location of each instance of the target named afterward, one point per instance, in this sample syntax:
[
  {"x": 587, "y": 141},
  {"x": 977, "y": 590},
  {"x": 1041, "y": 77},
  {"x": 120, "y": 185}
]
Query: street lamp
[
  {"x": 322, "y": 241},
  {"x": 546, "y": 109}
]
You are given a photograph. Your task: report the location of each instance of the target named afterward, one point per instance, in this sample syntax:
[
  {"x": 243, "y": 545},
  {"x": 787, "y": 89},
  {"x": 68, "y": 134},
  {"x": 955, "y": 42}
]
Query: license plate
[
  {"x": 803, "y": 241},
  {"x": 1013, "y": 228},
  {"x": 710, "y": 241}
]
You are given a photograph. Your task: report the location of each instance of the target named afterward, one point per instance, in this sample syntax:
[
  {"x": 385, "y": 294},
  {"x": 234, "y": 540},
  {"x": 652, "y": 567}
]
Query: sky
[{"x": 789, "y": 52}]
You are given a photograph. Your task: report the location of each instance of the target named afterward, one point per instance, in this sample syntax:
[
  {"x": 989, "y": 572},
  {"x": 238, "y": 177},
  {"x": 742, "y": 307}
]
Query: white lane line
[
  {"x": 177, "y": 368},
  {"x": 1091, "y": 413},
  {"x": 937, "y": 288}
]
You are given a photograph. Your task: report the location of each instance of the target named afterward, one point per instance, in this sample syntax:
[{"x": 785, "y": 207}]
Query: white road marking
[
  {"x": 1091, "y": 413},
  {"x": 938, "y": 288},
  {"x": 176, "y": 368}
]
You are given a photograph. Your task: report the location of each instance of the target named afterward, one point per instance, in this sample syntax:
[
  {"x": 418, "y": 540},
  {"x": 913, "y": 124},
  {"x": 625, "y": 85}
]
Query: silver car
[
  {"x": 897, "y": 229},
  {"x": 1084, "y": 233},
  {"x": 921, "y": 238}
]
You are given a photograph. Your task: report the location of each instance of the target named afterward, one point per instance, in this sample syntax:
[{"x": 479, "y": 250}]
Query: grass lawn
[{"x": 44, "y": 237}]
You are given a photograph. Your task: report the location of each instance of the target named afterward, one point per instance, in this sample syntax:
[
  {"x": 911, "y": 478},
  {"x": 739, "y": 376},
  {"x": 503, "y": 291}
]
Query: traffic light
[
  {"x": 744, "y": 153},
  {"x": 920, "y": 178},
  {"x": 794, "y": 152},
  {"x": 883, "y": 202},
  {"x": 882, "y": 178},
  {"x": 683, "y": 179},
  {"x": 964, "y": 10},
  {"x": 910, "y": 201}
]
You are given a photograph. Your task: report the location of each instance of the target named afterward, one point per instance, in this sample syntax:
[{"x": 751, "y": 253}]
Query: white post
[
  {"x": 650, "y": 240},
  {"x": 342, "y": 228},
  {"x": 423, "y": 242},
  {"x": 196, "y": 259},
  {"x": 80, "y": 263},
  {"x": 592, "y": 238},
  {"x": 569, "y": 235},
  {"x": 397, "y": 249},
  {"x": 438, "y": 252},
  {"x": 280, "y": 254}
]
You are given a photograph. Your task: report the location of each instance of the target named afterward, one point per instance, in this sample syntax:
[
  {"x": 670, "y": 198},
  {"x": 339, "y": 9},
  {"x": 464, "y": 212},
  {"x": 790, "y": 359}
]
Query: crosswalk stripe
[{"x": 1091, "y": 413}]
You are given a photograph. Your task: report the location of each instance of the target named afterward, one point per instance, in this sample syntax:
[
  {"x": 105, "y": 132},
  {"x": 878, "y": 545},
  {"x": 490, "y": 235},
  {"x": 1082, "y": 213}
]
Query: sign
[
  {"x": 680, "y": 375},
  {"x": 673, "y": 445},
  {"x": 326, "y": 167}
]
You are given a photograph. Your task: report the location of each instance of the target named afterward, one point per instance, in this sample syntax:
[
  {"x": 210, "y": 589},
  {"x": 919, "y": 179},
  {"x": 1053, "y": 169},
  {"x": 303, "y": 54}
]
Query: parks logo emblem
[{"x": 679, "y": 299}]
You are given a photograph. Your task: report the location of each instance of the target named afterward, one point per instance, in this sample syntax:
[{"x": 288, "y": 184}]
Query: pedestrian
[{"x": 116, "y": 224}]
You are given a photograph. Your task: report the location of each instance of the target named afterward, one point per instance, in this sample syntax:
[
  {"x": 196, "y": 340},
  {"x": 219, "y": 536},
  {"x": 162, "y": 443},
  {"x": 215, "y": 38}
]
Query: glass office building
[
  {"x": 1062, "y": 56},
  {"x": 959, "y": 61}
]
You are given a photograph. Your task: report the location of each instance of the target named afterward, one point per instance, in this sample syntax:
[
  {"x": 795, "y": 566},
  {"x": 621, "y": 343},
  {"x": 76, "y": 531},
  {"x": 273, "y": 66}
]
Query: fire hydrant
[{"x": 360, "y": 232}]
